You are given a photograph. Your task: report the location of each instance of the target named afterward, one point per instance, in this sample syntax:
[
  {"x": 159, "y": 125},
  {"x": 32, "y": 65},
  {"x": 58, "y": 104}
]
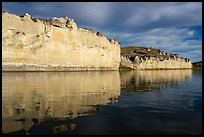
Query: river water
[{"x": 109, "y": 102}]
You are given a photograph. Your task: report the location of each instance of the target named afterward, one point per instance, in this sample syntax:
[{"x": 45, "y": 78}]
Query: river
[{"x": 102, "y": 102}]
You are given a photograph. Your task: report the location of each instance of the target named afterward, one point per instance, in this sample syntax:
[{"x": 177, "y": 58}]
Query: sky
[{"x": 174, "y": 27}]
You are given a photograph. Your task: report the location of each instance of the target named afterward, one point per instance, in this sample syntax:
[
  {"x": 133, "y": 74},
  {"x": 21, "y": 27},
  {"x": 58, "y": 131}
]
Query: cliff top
[
  {"x": 132, "y": 51},
  {"x": 62, "y": 22}
]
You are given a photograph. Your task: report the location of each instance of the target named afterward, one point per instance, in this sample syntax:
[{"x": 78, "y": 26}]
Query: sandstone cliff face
[
  {"x": 148, "y": 58},
  {"x": 46, "y": 45}
]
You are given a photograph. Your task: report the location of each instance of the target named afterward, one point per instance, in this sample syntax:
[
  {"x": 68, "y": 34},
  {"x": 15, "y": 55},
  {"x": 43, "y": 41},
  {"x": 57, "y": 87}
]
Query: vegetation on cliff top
[{"x": 143, "y": 51}]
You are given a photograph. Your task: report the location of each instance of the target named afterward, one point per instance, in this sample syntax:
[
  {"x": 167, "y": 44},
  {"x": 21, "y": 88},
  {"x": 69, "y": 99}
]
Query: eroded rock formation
[
  {"x": 148, "y": 58},
  {"x": 57, "y": 44},
  {"x": 54, "y": 44}
]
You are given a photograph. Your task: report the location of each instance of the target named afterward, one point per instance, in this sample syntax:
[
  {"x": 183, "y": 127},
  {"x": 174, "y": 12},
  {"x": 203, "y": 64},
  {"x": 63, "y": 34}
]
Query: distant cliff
[
  {"x": 197, "y": 64},
  {"x": 135, "y": 57},
  {"x": 57, "y": 44}
]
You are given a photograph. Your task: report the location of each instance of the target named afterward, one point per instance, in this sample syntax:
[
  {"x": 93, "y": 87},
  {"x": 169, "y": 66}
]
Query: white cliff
[
  {"x": 148, "y": 58},
  {"x": 34, "y": 44}
]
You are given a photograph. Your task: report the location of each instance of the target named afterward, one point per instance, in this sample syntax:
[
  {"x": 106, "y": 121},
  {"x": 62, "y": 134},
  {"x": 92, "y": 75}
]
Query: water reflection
[
  {"x": 30, "y": 98},
  {"x": 152, "y": 80},
  {"x": 54, "y": 102},
  {"x": 64, "y": 127}
]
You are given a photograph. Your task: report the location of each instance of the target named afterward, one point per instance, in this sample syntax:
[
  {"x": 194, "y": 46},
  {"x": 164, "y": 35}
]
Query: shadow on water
[{"x": 97, "y": 102}]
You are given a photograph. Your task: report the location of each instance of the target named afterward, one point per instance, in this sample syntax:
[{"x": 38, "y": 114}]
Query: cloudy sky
[{"x": 174, "y": 27}]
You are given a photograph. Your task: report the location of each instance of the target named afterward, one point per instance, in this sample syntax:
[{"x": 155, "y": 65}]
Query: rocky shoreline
[{"x": 12, "y": 66}]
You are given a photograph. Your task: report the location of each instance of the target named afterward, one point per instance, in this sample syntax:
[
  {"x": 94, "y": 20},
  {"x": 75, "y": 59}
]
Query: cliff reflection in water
[
  {"x": 30, "y": 98},
  {"x": 152, "y": 80}
]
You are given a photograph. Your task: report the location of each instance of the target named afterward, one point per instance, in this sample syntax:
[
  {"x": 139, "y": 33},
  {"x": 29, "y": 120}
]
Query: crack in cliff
[{"x": 38, "y": 38}]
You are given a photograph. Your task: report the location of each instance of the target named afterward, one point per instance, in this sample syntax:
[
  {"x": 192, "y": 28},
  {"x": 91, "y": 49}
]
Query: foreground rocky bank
[
  {"x": 57, "y": 44},
  {"x": 135, "y": 57}
]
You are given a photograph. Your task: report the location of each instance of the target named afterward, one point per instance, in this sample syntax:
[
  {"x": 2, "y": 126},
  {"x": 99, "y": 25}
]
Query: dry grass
[{"x": 141, "y": 51}]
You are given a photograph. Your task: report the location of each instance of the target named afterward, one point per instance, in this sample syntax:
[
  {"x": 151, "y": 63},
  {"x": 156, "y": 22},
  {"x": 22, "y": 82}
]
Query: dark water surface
[{"x": 115, "y": 102}]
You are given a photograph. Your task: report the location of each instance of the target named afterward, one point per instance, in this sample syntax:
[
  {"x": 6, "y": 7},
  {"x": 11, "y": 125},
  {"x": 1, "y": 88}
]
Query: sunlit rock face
[
  {"x": 148, "y": 58},
  {"x": 31, "y": 98},
  {"x": 153, "y": 80},
  {"x": 57, "y": 44}
]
